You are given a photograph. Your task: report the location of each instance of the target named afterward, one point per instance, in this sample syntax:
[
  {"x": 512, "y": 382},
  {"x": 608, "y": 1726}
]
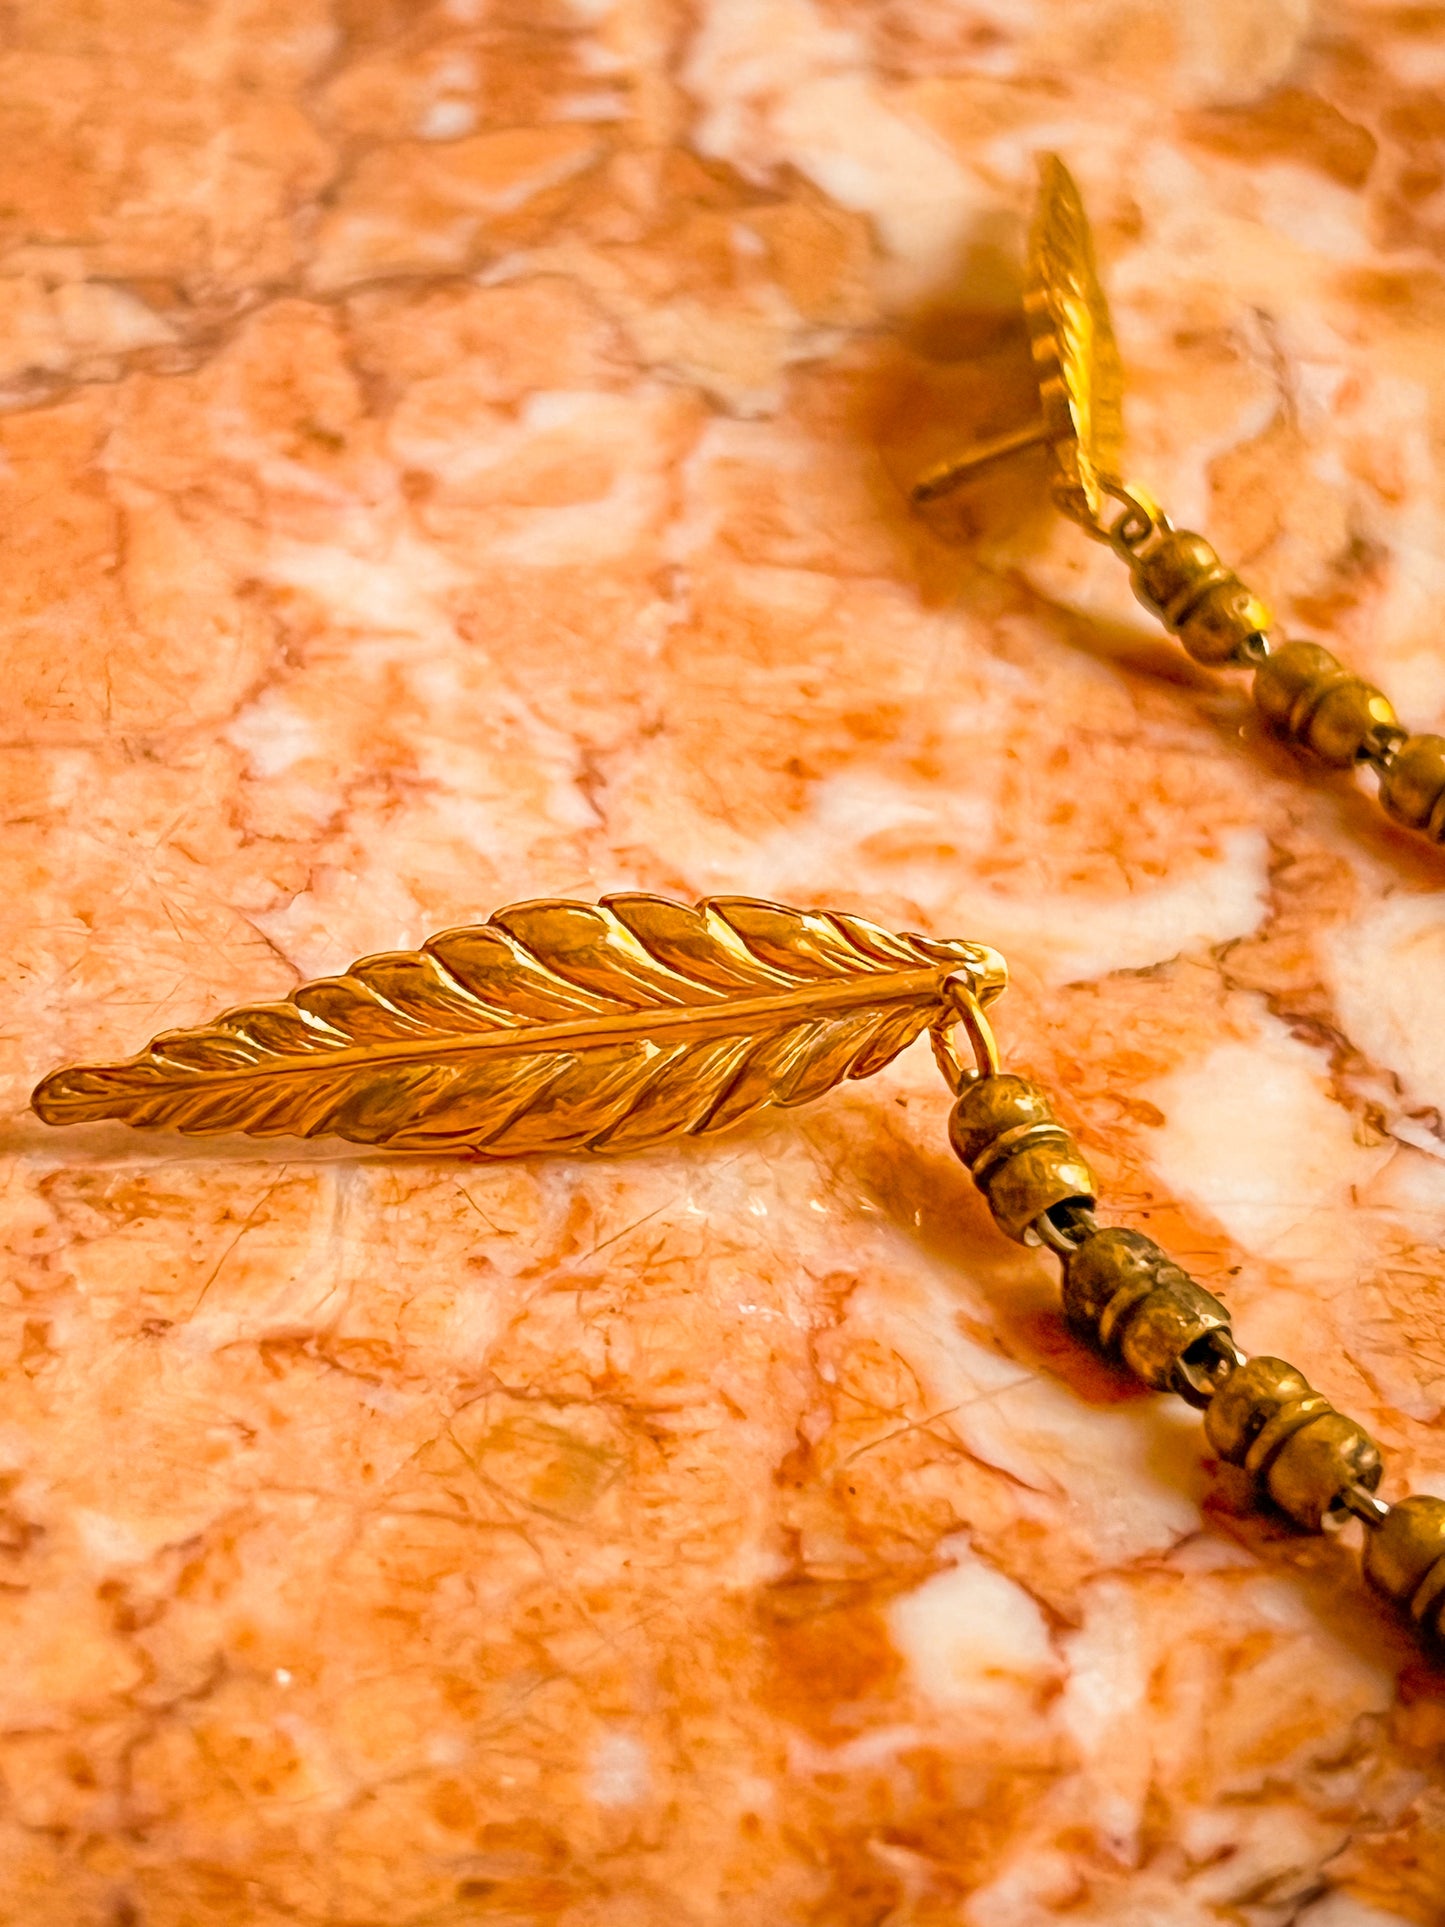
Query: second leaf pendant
[{"x": 1303, "y": 693}]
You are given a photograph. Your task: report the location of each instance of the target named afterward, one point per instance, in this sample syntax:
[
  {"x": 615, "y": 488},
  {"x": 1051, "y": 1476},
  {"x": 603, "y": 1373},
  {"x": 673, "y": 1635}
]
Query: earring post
[{"x": 947, "y": 475}]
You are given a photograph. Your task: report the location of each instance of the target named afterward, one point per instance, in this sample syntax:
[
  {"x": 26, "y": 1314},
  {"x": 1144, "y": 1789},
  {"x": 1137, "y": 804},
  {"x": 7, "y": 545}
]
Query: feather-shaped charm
[
  {"x": 1076, "y": 360},
  {"x": 1081, "y": 382},
  {"x": 555, "y": 1026}
]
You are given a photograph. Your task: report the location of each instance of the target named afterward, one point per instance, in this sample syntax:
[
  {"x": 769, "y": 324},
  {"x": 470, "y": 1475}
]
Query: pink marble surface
[{"x": 451, "y": 453}]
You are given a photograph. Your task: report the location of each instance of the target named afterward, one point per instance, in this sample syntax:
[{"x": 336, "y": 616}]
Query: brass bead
[
  {"x": 1290, "y": 676},
  {"x": 1020, "y": 1156},
  {"x": 1182, "y": 581},
  {"x": 1348, "y": 720},
  {"x": 1313, "y": 1468},
  {"x": 1171, "y": 576},
  {"x": 1224, "y": 623},
  {"x": 1127, "y": 1294},
  {"x": 1412, "y": 788},
  {"x": 1246, "y": 1401},
  {"x": 1106, "y": 1275},
  {"x": 1405, "y": 1558},
  {"x": 991, "y": 1106},
  {"x": 1307, "y": 695},
  {"x": 1033, "y": 1180},
  {"x": 1268, "y": 1418}
]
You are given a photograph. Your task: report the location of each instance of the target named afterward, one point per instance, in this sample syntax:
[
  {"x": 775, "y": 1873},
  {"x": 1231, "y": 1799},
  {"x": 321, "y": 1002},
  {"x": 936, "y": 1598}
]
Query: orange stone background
[{"x": 454, "y": 453}]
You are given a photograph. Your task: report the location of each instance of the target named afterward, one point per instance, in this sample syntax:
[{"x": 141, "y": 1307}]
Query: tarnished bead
[
  {"x": 1170, "y": 577},
  {"x": 1350, "y": 719},
  {"x": 1033, "y": 1178},
  {"x": 1182, "y": 581},
  {"x": 1225, "y": 622},
  {"x": 1248, "y": 1399},
  {"x": 1020, "y": 1156},
  {"x": 992, "y": 1106},
  {"x": 1307, "y": 695},
  {"x": 1267, "y": 1417},
  {"x": 1124, "y": 1292},
  {"x": 1412, "y": 787},
  {"x": 1405, "y": 1558},
  {"x": 1314, "y": 1467},
  {"x": 1287, "y": 682}
]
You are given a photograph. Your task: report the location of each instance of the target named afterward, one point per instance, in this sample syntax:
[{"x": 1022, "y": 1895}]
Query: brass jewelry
[
  {"x": 557, "y": 1027},
  {"x": 1081, "y": 381},
  {"x": 561, "y": 1026},
  {"x": 1304, "y": 694},
  {"x": 564, "y": 1026}
]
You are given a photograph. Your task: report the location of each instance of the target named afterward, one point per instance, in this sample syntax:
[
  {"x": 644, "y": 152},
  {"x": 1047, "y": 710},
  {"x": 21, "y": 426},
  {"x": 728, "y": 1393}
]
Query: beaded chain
[
  {"x": 564, "y": 1026},
  {"x": 1305, "y": 695},
  {"x": 1125, "y": 1296},
  {"x": 1120, "y": 1290}
]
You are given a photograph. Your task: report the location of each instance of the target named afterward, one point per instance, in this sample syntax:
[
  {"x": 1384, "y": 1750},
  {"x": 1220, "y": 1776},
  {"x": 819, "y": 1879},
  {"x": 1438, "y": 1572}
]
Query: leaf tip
[
  {"x": 53, "y": 1100},
  {"x": 79, "y": 1094}
]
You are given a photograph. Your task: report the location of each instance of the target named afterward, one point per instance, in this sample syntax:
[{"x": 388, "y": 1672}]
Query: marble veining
[{"x": 451, "y": 451}]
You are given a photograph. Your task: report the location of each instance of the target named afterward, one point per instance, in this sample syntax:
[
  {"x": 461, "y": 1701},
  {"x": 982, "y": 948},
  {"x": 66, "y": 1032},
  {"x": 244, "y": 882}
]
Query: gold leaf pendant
[
  {"x": 1081, "y": 381},
  {"x": 1076, "y": 359},
  {"x": 556, "y": 1026}
]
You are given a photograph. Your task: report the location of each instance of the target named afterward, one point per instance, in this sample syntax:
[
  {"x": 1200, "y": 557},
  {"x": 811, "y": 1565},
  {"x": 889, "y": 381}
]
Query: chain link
[
  {"x": 1304, "y": 693},
  {"x": 1125, "y": 1295}
]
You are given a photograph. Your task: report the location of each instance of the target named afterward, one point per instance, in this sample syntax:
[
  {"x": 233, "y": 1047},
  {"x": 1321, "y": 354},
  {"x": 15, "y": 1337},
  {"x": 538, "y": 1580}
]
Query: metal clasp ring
[
  {"x": 964, "y": 1011},
  {"x": 1128, "y": 534}
]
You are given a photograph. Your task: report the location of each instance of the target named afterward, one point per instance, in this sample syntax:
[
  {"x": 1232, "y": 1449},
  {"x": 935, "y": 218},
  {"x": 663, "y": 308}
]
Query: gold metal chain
[
  {"x": 696, "y": 1018},
  {"x": 566, "y": 1026},
  {"x": 1129, "y": 1300},
  {"x": 1121, "y": 1291},
  {"x": 1305, "y": 694}
]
